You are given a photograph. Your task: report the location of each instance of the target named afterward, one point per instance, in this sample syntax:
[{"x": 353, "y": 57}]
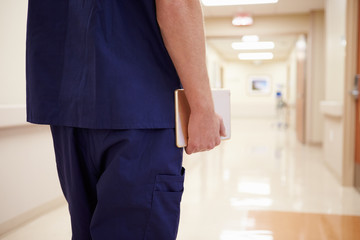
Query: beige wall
[
  {"x": 291, "y": 94},
  {"x": 333, "y": 139},
  {"x": 332, "y": 106},
  {"x": 315, "y": 82},
  {"x": 335, "y": 49},
  {"x": 12, "y": 51},
  {"x": 237, "y": 79},
  {"x": 214, "y": 64},
  {"x": 28, "y": 178}
]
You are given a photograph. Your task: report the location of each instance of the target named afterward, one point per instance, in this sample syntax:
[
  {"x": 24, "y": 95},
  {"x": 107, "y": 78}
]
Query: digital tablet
[{"x": 221, "y": 98}]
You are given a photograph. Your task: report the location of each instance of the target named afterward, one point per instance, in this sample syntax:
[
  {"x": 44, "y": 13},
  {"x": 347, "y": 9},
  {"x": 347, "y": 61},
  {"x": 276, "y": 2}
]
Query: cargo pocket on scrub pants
[{"x": 165, "y": 208}]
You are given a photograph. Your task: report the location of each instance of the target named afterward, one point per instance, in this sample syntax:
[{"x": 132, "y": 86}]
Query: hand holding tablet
[{"x": 221, "y": 98}]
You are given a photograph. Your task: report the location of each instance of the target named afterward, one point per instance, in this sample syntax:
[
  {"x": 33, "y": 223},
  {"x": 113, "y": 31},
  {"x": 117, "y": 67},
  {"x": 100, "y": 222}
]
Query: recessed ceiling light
[
  {"x": 250, "y": 38},
  {"x": 256, "y": 56},
  {"x": 236, "y": 2},
  {"x": 243, "y": 20},
  {"x": 252, "y": 45},
  {"x": 301, "y": 44}
]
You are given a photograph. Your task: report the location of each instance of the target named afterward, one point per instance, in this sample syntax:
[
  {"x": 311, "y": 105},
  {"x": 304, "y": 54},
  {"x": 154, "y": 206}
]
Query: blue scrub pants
[{"x": 120, "y": 184}]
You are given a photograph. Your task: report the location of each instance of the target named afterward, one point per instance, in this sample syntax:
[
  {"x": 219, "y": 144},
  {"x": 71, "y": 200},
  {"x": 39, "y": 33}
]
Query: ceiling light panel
[
  {"x": 256, "y": 56},
  {"x": 236, "y": 2},
  {"x": 243, "y": 20},
  {"x": 250, "y": 38},
  {"x": 253, "y": 45}
]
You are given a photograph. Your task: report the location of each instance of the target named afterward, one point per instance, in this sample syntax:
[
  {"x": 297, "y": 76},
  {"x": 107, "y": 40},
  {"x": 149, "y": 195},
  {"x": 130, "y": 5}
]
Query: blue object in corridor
[{"x": 120, "y": 184}]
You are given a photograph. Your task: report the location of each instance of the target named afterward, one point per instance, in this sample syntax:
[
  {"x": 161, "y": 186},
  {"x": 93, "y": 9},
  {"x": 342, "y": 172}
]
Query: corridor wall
[
  {"x": 332, "y": 106},
  {"x": 28, "y": 179}
]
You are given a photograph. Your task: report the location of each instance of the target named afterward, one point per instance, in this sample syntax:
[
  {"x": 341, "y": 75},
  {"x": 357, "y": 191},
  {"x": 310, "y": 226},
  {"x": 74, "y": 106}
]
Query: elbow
[{"x": 170, "y": 12}]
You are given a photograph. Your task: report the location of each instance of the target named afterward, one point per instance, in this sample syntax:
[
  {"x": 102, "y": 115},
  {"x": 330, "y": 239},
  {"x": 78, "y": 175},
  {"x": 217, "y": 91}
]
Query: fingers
[
  {"x": 192, "y": 148},
  {"x": 204, "y": 133},
  {"x": 195, "y": 147},
  {"x": 189, "y": 150}
]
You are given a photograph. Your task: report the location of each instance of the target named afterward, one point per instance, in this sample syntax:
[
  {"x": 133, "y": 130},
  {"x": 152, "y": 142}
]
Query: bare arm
[{"x": 181, "y": 24}]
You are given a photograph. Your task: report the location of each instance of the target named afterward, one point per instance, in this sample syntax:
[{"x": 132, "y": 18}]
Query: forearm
[{"x": 181, "y": 24}]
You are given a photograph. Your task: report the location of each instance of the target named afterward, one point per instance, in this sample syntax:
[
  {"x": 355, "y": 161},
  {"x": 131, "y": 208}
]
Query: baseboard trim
[
  {"x": 24, "y": 218},
  {"x": 315, "y": 144}
]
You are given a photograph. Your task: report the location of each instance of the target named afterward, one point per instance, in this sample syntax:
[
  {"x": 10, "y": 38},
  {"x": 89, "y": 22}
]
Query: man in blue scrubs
[{"x": 102, "y": 74}]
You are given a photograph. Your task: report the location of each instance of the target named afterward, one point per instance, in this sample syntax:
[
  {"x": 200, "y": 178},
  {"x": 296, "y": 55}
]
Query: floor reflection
[{"x": 259, "y": 183}]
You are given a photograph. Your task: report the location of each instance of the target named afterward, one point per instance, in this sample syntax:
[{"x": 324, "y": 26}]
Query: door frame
[{"x": 348, "y": 175}]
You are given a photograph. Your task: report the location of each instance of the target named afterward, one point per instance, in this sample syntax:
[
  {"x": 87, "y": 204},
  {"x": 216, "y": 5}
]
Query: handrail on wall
[
  {"x": 12, "y": 115},
  {"x": 332, "y": 108}
]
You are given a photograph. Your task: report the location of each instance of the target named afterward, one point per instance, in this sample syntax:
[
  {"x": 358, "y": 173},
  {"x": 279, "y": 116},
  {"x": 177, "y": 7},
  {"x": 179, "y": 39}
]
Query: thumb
[{"x": 222, "y": 128}]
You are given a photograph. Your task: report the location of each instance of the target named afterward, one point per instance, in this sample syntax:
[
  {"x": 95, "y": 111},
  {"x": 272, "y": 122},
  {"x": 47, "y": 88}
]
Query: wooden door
[
  {"x": 300, "y": 99},
  {"x": 357, "y": 142}
]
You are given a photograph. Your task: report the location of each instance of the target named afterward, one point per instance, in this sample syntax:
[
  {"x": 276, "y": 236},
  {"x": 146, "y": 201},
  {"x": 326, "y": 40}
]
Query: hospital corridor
[{"x": 291, "y": 168}]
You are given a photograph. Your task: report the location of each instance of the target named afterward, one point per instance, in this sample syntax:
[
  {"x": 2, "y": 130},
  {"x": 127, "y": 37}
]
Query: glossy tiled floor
[{"x": 260, "y": 185}]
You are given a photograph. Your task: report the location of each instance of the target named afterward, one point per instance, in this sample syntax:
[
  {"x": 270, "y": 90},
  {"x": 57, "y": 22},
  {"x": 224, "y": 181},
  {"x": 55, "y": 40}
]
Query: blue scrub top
[{"x": 98, "y": 64}]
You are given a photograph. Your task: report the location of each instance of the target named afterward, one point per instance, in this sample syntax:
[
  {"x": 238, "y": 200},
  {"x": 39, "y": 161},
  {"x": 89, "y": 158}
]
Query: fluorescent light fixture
[
  {"x": 256, "y": 56},
  {"x": 301, "y": 44},
  {"x": 252, "y": 45},
  {"x": 251, "y": 202},
  {"x": 250, "y": 38},
  {"x": 254, "y": 188},
  {"x": 247, "y": 235},
  {"x": 243, "y": 20},
  {"x": 236, "y": 2}
]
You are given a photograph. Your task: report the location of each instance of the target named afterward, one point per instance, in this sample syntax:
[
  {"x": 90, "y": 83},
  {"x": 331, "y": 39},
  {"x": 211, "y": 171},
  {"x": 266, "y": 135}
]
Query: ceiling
[
  {"x": 283, "y": 44},
  {"x": 282, "y": 7}
]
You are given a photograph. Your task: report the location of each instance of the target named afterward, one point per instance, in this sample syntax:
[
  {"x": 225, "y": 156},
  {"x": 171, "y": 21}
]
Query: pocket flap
[{"x": 170, "y": 183}]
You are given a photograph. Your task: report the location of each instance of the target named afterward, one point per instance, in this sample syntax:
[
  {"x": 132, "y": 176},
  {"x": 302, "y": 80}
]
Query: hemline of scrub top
[{"x": 150, "y": 125}]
